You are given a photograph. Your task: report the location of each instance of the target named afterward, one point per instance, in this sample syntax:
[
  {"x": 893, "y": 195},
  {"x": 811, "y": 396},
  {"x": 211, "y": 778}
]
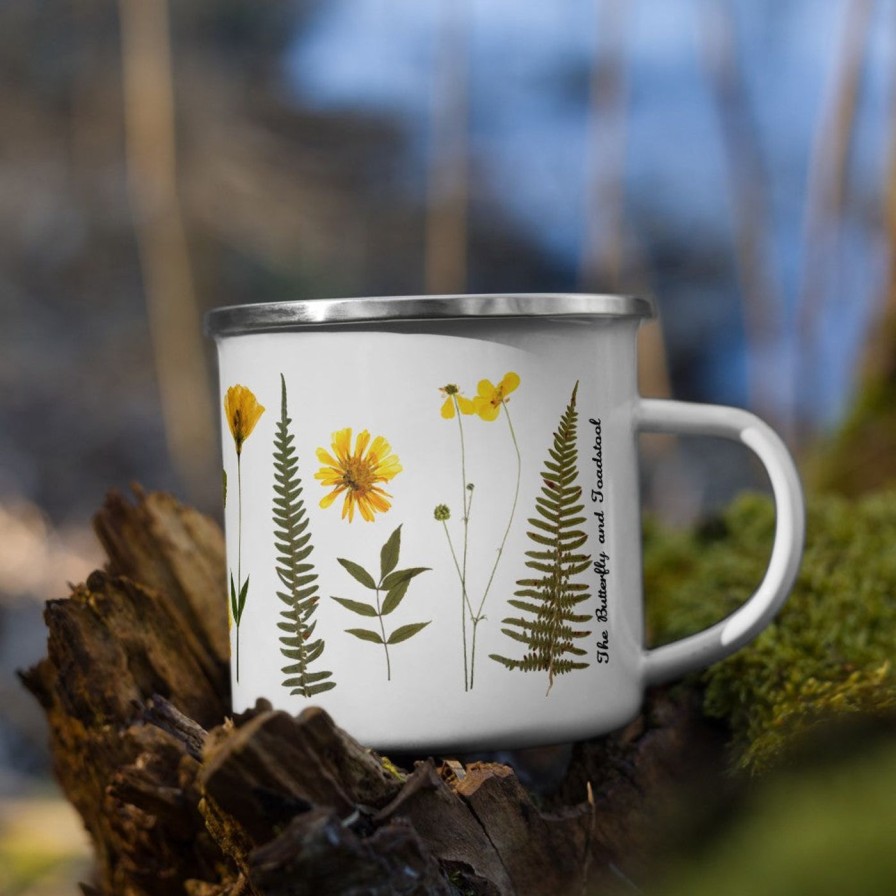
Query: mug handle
[{"x": 712, "y": 644}]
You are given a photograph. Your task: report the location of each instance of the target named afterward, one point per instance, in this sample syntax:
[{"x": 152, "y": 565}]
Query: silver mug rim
[{"x": 234, "y": 320}]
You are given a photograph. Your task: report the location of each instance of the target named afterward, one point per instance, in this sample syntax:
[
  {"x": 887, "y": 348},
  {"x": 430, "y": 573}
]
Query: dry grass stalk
[
  {"x": 175, "y": 329},
  {"x": 747, "y": 177},
  {"x": 603, "y": 253},
  {"x": 446, "y": 249},
  {"x": 827, "y": 187}
]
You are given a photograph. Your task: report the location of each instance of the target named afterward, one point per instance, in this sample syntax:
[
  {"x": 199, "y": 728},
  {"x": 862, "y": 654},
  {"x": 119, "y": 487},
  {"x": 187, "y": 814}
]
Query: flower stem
[
  {"x": 465, "y": 604},
  {"x": 239, "y": 553},
  {"x": 478, "y": 617},
  {"x": 457, "y": 568},
  {"x": 465, "y": 503}
]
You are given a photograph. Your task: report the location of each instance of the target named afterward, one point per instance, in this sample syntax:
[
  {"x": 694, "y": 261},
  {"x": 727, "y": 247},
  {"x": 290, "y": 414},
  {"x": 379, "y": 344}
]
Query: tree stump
[{"x": 178, "y": 795}]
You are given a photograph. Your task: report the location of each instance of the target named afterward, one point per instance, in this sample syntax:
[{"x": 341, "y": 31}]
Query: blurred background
[{"x": 735, "y": 160}]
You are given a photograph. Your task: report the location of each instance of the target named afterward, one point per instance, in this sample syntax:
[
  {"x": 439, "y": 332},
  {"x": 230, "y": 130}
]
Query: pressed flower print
[
  {"x": 487, "y": 405},
  {"x": 299, "y": 644},
  {"x": 455, "y": 402},
  {"x": 242, "y": 411},
  {"x": 356, "y": 473},
  {"x": 389, "y": 587},
  {"x": 489, "y": 399},
  {"x": 548, "y": 623}
]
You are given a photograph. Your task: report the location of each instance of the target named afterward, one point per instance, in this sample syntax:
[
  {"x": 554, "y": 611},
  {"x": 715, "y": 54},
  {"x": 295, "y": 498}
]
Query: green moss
[
  {"x": 827, "y": 653},
  {"x": 392, "y": 768}
]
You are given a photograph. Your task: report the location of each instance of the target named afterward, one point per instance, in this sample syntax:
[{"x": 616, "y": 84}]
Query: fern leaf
[
  {"x": 292, "y": 543},
  {"x": 550, "y": 627}
]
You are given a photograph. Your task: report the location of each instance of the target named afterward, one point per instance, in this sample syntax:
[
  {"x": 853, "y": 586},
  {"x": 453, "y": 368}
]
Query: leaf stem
[{"x": 379, "y": 614}]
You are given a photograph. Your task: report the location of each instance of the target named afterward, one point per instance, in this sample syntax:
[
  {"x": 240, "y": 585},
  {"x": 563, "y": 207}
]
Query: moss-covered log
[
  {"x": 829, "y": 653},
  {"x": 179, "y": 797}
]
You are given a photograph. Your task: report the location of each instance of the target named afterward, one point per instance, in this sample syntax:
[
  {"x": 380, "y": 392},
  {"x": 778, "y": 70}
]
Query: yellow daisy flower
[
  {"x": 357, "y": 473},
  {"x": 448, "y": 407},
  {"x": 488, "y": 401},
  {"x": 242, "y": 411}
]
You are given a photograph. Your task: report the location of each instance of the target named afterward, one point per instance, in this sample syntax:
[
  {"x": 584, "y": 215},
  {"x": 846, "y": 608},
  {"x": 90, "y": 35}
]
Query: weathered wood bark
[{"x": 179, "y": 797}]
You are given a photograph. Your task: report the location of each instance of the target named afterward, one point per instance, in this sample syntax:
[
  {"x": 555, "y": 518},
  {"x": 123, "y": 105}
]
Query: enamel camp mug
[{"x": 433, "y": 521}]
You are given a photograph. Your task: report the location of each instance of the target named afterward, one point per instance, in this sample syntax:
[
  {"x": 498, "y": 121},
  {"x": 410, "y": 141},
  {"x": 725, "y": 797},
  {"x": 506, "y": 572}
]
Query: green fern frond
[
  {"x": 292, "y": 541},
  {"x": 550, "y": 627}
]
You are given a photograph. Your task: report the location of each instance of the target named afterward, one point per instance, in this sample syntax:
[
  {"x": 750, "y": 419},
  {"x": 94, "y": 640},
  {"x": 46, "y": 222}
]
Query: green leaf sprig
[{"x": 389, "y": 591}]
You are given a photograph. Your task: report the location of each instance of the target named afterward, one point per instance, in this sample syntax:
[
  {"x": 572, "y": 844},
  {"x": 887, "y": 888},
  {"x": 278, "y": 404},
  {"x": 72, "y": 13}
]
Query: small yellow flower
[
  {"x": 357, "y": 473},
  {"x": 452, "y": 392},
  {"x": 488, "y": 401},
  {"x": 242, "y": 411}
]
